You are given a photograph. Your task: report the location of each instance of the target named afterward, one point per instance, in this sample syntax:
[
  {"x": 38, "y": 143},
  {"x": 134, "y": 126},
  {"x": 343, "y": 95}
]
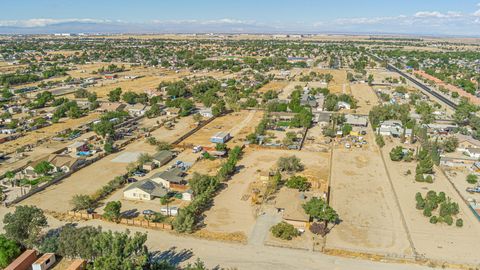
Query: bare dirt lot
[
  {"x": 238, "y": 124},
  {"x": 276, "y": 86},
  {"x": 364, "y": 200},
  {"x": 365, "y": 96},
  {"x": 232, "y": 210},
  {"x": 436, "y": 241}
]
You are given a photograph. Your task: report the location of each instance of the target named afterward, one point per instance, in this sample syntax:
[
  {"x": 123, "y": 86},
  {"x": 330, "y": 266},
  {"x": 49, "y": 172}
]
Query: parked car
[
  {"x": 131, "y": 180},
  {"x": 148, "y": 212},
  {"x": 139, "y": 173}
]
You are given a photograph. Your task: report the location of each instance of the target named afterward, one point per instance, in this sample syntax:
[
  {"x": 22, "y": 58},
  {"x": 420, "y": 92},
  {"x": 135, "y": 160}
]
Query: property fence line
[
  {"x": 130, "y": 222},
  {"x": 197, "y": 128}
]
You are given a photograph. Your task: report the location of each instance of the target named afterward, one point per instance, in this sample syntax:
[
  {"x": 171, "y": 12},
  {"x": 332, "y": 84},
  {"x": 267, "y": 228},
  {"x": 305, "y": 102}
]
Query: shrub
[
  {"x": 289, "y": 164},
  {"x": 459, "y": 222},
  {"x": 284, "y": 231},
  {"x": 379, "y": 140},
  {"x": 298, "y": 182},
  {"x": 433, "y": 220},
  {"x": 448, "y": 220},
  {"x": 427, "y": 212},
  {"x": 472, "y": 179}
]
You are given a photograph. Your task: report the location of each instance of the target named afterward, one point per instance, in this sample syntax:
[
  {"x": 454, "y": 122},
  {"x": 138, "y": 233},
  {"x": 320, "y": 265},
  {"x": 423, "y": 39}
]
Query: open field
[
  {"x": 232, "y": 210},
  {"x": 339, "y": 84},
  {"x": 364, "y": 200},
  {"x": 93, "y": 177},
  {"x": 437, "y": 241},
  {"x": 238, "y": 124},
  {"x": 365, "y": 96},
  {"x": 276, "y": 86}
]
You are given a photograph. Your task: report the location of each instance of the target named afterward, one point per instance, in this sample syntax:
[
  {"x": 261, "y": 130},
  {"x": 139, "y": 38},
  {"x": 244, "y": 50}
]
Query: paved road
[{"x": 181, "y": 249}]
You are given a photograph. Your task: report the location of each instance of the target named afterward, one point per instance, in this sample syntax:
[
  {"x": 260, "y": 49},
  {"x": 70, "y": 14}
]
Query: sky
[{"x": 431, "y": 17}]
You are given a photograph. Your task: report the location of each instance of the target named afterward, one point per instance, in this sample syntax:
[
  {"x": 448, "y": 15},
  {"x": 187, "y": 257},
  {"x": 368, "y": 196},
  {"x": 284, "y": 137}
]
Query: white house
[
  {"x": 144, "y": 190},
  {"x": 207, "y": 113}
]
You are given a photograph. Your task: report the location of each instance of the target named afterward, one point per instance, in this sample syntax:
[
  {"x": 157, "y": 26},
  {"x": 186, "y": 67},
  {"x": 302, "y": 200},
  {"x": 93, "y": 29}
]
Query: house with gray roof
[{"x": 145, "y": 190}]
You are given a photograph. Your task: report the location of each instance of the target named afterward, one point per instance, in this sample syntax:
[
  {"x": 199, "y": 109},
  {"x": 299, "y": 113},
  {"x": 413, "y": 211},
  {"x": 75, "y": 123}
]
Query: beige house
[
  {"x": 289, "y": 203},
  {"x": 169, "y": 178},
  {"x": 144, "y": 190}
]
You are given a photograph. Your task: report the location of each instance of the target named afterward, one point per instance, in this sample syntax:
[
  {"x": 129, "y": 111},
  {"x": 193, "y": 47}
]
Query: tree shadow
[{"x": 172, "y": 255}]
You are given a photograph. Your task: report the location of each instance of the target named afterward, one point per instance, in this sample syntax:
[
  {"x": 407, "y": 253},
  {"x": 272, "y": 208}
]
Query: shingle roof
[{"x": 149, "y": 187}]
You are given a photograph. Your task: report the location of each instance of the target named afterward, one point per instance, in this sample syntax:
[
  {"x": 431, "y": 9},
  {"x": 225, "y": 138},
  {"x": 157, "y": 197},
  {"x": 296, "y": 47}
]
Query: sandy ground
[
  {"x": 438, "y": 241},
  {"x": 276, "y": 86},
  {"x": 238, "y": 124},
  {"x": 365, "y": 96},
  {"x": 183, "y": 250},
  {"x": 89, "y": 179},
  {"x": 287, "y": 90},
  {"x": 363, "y": 198},
  {"x": 232, "y": 210},
  {"x": 46, "y": 132}
]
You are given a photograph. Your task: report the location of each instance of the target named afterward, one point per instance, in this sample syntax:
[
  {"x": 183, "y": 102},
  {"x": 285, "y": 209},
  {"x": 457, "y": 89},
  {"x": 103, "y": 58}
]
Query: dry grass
[{"x": 276, "y": 86}]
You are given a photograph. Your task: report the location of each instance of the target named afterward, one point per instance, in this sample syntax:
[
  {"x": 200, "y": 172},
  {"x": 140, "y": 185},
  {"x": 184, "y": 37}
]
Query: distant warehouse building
[{"x": 220, "y": 137}]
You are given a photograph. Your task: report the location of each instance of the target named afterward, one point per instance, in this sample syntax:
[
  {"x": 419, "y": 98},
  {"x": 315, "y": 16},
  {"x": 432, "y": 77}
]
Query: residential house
[
  {"x": 356, "y": 120},
  {"x": 136, "y": 109},
  {"x": 282, "y": 116},
  {"x": 172, "y": 111},
  {"x": 111, "y": 107},
  {"x": 172, "y": 179},
  {"x": 289, "y": 203},
  {"x": 76, "y": 147},
  {"x": 473, "y": 152},
  {"x": 220, "y": 137},
  {"x": 461, "y": 162},
  {"x": 465, "y": 142},
  {"x": 24, "y": 261},
  {"x": 78, "y": 264},
  {"x": 207, "y": 113},
  {"x": 45, "y": 262},
  {"x": 162, "y": 157},
  {"x": 321, "y": 118},
  {"x": 60, "y": 163},
  {"x": 145, "y": 190},
  {"x": 393, "y": 128}
]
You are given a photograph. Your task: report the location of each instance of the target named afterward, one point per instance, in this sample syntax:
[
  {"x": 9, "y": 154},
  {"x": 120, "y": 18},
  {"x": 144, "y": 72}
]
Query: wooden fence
[{"x": 130, "y": 222}]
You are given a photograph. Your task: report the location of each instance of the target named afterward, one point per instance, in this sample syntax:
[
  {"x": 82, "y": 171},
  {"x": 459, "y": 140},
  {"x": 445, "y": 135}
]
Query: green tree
[
  {"x": 284, "y": 231},
  {"x": 112, "y": 211},
  {"x": 289, "y": 164},
  {"x": 82, "y": 202},
  {"x": 319, "y": 209},
  {"x": 24, "y": 224},
  {"x": 9, "y": 250},
  {"x": 379, "y": 140},
  {"x": 298, "y": 182},
  {"x": 396, "y": 154},
  {"x": 472, "y": 179},
  {"x": 184, "y": 222},
  {"x": 114, "y": 95},
  {"x": 346, "y": 129},
  {"x": 44, "y": 167}
]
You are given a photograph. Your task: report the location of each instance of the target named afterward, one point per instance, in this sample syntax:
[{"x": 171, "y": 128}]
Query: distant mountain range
[
  {"x": 194, "y": 26},
  {"x": 117, "y": 28}
]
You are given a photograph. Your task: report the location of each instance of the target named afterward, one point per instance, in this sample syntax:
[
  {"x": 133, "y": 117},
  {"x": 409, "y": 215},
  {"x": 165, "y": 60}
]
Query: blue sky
[{"x": 402, "y": 16}]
